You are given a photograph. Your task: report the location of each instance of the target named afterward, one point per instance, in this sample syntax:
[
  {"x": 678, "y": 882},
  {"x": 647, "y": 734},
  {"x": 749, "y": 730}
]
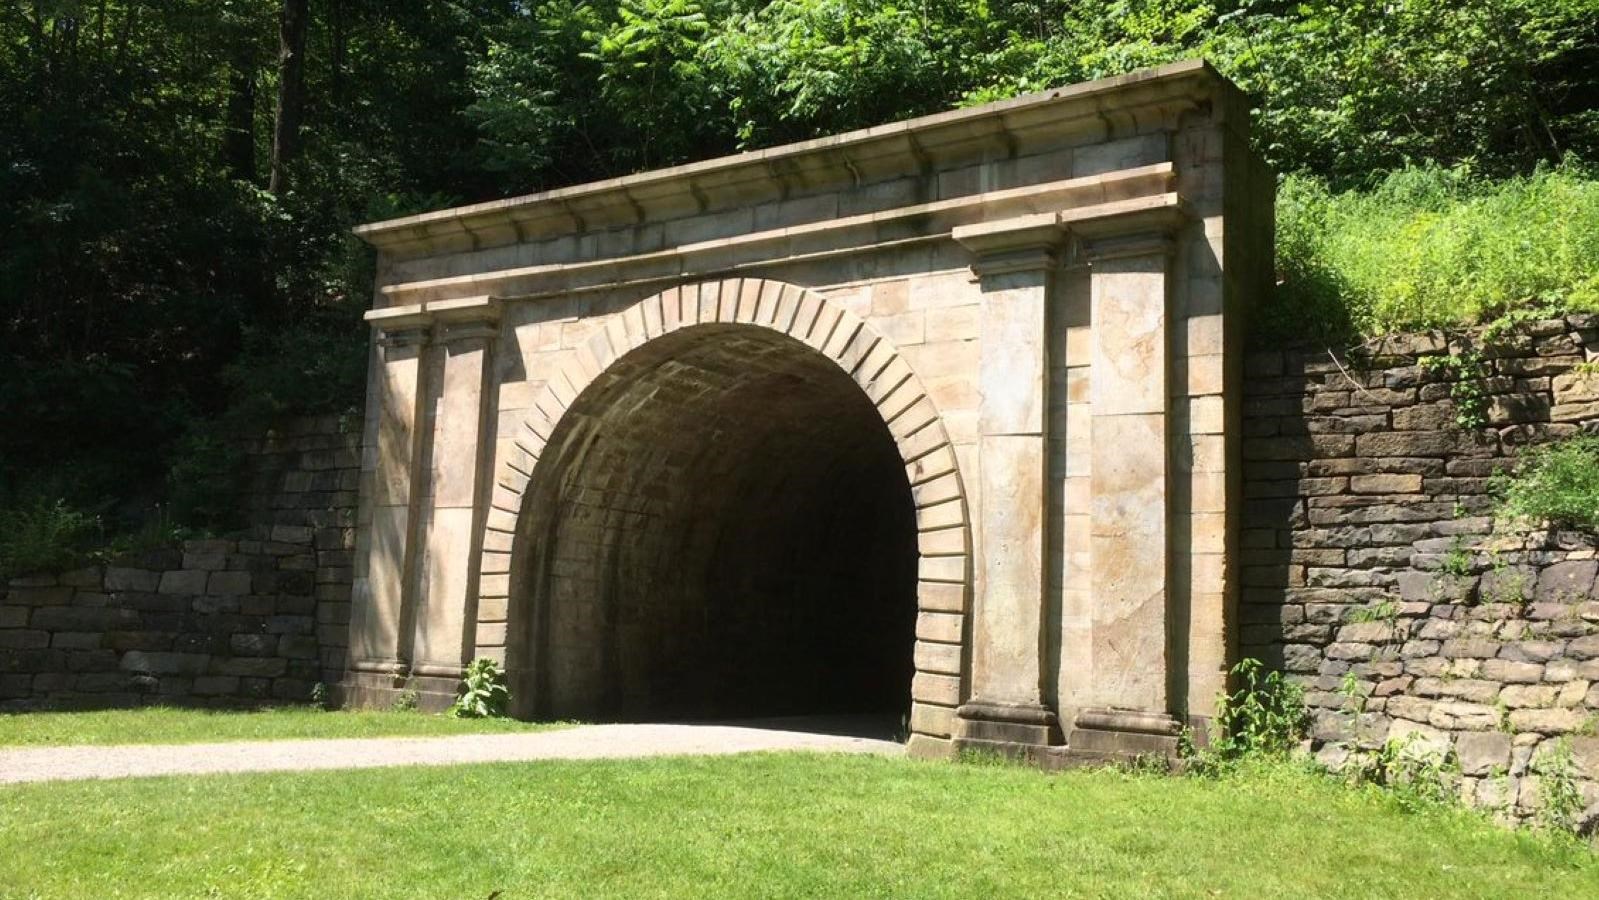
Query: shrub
[
  {"x": 1556, "y": 484},
  {"x": 1265, "y": 717},
  {"x": 1433, "y": 248},
  {"x": 1416, "y": 774},
  {"x": 484, "y": 693},
  {"x": 44, "y": 536}
]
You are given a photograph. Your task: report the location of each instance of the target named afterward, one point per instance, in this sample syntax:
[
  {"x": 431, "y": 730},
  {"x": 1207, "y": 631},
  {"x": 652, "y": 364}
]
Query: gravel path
[{"x": 581, "y": 742}]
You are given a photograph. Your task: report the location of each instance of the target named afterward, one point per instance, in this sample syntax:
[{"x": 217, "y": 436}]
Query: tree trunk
[
  {"x": 238, "y": 141},
  {"x": 291, "y": 92}
]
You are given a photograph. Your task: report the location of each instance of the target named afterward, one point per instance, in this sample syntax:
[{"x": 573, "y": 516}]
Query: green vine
[{"x": 1469, "y": 388}]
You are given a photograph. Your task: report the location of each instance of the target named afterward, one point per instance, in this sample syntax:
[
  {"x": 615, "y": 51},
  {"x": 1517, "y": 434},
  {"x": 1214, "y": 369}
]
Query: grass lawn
[
  {"x": 761, "y": 825},
  {"x": 166, "y": 725}
]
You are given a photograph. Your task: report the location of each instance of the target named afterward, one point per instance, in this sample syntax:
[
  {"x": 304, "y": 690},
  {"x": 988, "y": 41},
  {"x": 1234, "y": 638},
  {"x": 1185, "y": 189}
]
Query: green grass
[
  {"x": 764, "y": 825},
  {"x": 1432, "y": 248},
  {"x": 166, "y": 725}
]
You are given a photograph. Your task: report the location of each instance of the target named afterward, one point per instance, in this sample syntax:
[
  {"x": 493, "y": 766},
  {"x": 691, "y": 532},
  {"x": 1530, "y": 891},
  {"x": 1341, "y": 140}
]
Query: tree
[{"x": 291, "y": 92}]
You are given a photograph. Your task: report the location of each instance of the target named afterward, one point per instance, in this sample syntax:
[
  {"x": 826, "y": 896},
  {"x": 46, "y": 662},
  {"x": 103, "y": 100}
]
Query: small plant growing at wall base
[
  {"x": 1264, "y": 717},
  {"x": 484, "y": 694},
  {"x": 1416, "y": 774}
]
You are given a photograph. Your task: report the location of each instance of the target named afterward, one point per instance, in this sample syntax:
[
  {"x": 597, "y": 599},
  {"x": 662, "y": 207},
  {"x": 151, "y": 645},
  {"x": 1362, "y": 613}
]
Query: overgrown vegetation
[
  {"x": 178, "y": 189},
  {"x": 1264, "y": 717},
  {"x": 483, "y": 694},
  {"x": 1431, "y": 247},
  {"x": 1554, "y": 485}
]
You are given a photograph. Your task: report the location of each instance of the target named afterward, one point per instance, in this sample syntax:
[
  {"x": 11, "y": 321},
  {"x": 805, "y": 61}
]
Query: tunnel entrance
[{"x": 722, "y": 529}]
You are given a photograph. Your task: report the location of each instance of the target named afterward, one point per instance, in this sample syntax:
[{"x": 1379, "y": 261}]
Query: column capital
[
  {"x": 1143, "y": 226},
  {"x": 1022, "y": 244},
  {"x": 400, "y": 326},
  {"x": 465, "y": 319}
]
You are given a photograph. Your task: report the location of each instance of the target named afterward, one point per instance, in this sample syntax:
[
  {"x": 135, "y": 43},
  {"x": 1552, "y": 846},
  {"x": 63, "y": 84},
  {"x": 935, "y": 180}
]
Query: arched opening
[{"x": 720, "y": 527}]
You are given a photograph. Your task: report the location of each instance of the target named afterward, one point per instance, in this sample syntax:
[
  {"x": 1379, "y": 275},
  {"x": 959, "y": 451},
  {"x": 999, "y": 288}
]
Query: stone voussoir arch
[{"x": 876, "y": 366}]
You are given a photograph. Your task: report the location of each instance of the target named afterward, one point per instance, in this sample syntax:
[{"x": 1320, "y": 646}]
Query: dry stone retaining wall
[
  {"x": 262, "y": 616},
  {"x": 1374, "y": 572}
]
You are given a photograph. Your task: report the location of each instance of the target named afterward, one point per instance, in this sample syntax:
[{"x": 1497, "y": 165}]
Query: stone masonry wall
[
  {"x": 1374, "y": 573},
  {"x": 259, "y": 616}
]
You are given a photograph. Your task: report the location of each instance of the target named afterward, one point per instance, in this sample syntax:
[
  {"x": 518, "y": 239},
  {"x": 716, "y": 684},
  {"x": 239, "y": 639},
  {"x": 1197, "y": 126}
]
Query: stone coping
[
  {"x": 1093, "y": 201},
  {"x": 853, "y": 158}
]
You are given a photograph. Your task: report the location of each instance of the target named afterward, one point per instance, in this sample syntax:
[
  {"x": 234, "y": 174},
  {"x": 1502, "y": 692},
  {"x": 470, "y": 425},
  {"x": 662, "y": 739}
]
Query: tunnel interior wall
[{"x": 726, "y": 531}]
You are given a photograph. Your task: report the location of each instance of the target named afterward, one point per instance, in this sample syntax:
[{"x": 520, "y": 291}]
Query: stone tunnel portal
[{"x": 722, "y": 528}]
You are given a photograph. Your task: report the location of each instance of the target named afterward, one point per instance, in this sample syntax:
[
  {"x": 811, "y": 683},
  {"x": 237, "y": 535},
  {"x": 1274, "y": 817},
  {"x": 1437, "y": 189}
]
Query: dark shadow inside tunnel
[{"x": 719, "y": 528}]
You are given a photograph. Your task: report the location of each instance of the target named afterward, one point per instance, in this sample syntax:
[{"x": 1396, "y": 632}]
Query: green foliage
[
  {"x": 483, "y": 692},
  {"x": 1418, "y": 776},
  {"x": 155, "y": 299},
  {"x": 1467, "y": 386},
  {"x": 1383, "y": 611},
  {"x": 1264, "y": 717},
  {"x": 405, "y": 701},
  {"x": 1354, "y": 692},
  {"x": 1555, "y": 485},
  {"x": 1560, "y": 803},
  {"x": 1433, "y": 248},
  {"x": 44, "y": 536},
  {"x": 1457, "y": 563}
]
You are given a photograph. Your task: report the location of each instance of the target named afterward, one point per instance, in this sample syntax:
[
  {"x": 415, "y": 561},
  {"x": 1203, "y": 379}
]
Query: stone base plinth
[
  {"x": 1117, "y": 735},
  {"x": 378, "y": 690},
  {"x": 1020, "y": 731}
]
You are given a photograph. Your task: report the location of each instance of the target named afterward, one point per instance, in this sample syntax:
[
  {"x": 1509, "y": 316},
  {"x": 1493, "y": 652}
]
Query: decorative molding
[
  {"x": 1124, "y": 104},
  {"x": 861, "y": 233}
]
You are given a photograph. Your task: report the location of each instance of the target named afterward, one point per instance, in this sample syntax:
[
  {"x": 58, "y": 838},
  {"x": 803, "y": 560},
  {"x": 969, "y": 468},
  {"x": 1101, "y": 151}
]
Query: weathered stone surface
[
  {"x": 1483, "y": 752},
  {"x": 1567, "y": 580}
]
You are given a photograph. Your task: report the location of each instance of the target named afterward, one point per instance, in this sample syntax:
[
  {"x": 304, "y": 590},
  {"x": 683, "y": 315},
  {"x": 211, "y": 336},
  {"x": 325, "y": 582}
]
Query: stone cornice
[
  {"x": 848, "y": 234},
  {"x": 447, "y": 320},
  {"x": 1127, "y": 102},
  {"x": 1133, "y": 226}
]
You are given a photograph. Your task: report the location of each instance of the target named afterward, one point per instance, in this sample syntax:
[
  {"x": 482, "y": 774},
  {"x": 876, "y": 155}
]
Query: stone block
[
  {"x": 1385, "y": 484},
  {"x": 215, "y": 685},
  {"x": 294, "y": 646},
  {"x": 1512, "y": 672},
  {"x": 39, "y": 595},
  {"x": 1567, "y": 581},
  {"x": 1547, "y": 721},
  {"x": 183, "y": 581},
  {"x": 1482, "y": 752},
  {"x": 164, "y": 663},
  {"x": 205, "y": 554},
  {"x": 228, "y": 583},
  {"x": 252, "y": 667}
]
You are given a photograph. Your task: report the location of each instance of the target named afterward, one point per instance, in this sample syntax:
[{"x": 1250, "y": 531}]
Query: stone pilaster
[
  {"x": 464, "y": 333},
  {"x": 1131, "y": 709},
  {"x": 380, "y": 627},
  {"x": 1015, "y": 262}
]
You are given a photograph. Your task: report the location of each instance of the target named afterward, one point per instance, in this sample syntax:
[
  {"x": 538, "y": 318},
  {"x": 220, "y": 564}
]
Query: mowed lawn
[
  {"x": 166, "y": 725},
  {"x": 775, "y": 825}
]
